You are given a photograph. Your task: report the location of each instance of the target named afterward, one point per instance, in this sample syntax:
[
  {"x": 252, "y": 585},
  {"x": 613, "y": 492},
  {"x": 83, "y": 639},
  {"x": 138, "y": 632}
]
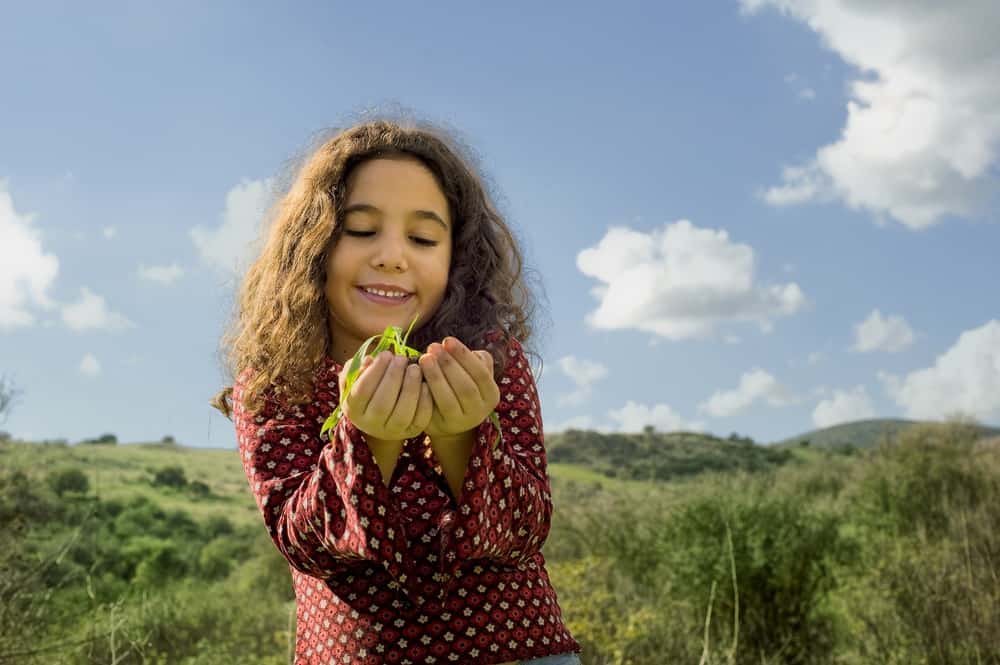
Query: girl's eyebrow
[{"x": 419, "y": 214}]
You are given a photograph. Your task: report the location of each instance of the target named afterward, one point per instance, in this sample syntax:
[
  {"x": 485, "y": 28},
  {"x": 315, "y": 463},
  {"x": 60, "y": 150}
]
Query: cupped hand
[
  {"x": 462, "y": 386},
  {"x": 388, "y": 400}
]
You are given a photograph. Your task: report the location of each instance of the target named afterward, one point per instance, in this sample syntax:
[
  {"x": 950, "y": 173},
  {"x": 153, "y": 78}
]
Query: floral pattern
[{"x": 402, "y": 573}]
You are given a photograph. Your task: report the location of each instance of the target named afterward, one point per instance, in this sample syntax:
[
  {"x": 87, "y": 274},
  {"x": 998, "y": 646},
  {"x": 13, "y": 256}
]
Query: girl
[{"x": 410, "y": 537}]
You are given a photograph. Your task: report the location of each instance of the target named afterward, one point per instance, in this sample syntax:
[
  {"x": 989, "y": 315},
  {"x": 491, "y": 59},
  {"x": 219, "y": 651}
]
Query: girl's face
[{"x": 396, "y": 237}]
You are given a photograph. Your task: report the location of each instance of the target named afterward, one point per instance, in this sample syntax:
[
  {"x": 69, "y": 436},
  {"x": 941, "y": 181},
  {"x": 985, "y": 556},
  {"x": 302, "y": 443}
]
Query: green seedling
[{"x": 390, "y": 340}]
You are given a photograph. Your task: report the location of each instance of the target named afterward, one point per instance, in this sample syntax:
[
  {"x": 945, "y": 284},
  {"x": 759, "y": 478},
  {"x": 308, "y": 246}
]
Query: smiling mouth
[{"x": 384, "y": 300}]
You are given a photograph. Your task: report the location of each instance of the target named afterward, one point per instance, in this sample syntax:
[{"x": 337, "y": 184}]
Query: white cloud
[
  {"x": 229, "y": 248},
  {"x": 679, "y": 282},
  {"x": 814, "y": 357},
  {"x": 633, "y": 417},
  {"x": 27, "y": 272},
  {"x": 162, "y": 274},
  {"x": 965, "y": 378},
  {"x": 577, "y": 422},
  {"x": 90, "y": 312},
  {"x": 892, "y": 334},
  {"x": 845, "y": 406},
  {"x": 802, "y": 184},
  {"x": 584, "y": 374},
  {"x": 803, "y": 91},
  {"x": 922, "y": 134},
  {"x": 109, "y": 232},
  {"x": 756, "y": 385},
  {"x": 89, "y": 365}
]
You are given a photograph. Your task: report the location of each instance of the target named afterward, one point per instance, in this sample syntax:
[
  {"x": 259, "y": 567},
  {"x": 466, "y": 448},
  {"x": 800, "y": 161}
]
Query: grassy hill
[
  {"x": 860, "y": 434},
  {"x": 155, "y": 553},
  {"x": 125, "y": 472},
  {"x": 660, "y": 456}
]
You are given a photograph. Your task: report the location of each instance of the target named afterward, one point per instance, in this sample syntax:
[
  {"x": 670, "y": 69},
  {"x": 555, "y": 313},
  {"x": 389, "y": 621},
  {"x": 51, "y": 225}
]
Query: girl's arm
[
  {"x": 325, "y": 503},
  {"x": 505, "y": 506}
]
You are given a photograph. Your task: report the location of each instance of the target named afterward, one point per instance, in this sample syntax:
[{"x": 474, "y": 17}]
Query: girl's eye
[{"x": 365, "y": 234}]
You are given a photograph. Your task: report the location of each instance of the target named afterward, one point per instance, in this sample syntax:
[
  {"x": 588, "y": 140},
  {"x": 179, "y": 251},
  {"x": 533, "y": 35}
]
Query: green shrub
[
  {"x": 918, "y": 481},
  {"x": 198, "y": 489},
  {"x": 68, "y": 480},
  {"x": 170, "y": 476},
  {"x": 102, "y": 440},
  {"x": 781, "y": 554}
]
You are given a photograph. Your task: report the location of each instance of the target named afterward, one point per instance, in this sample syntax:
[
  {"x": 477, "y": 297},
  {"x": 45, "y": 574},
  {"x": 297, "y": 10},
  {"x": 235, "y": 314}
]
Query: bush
[
  {"x": 170, "y": 476},
  {"x": 918, "y": 481},
  {"x": 102, "y": 440},
  {"x": 160, "y": 567},
  {"x": 929, "y": 504},
  {"x": 199, "y": 490},
  {"x": 68, "y": 480},
  {"x": 781, "y": 554},
  {"x": 217, "y": 525},
  {"x": 218, "y": 557}
]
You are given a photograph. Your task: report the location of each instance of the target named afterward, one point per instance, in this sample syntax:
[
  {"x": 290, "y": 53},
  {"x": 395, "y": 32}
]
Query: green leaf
[
  {"x": 407, "y": 335},
  {"x": 496, "y": 423}
]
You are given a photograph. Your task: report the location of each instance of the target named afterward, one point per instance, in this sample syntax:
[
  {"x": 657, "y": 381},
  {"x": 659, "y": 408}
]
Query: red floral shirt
[{"x": 404, "y": 574}]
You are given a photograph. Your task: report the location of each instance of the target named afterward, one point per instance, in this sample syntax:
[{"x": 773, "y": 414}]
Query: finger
[
  {"x": 406, "y": 405},
  {"x": 444, "y": 397},
  {"x": 365, "y": 383},
  {"x": 490, "y": 388},
  {"x": 387, "y": 394},
  {"x": 479, "y": 364},
  {"x": 366, "y": 362},
  {"x": 486, "y": 358},
  {"x": 425, "y": 408},
  {"x": 465, "y": 373}
]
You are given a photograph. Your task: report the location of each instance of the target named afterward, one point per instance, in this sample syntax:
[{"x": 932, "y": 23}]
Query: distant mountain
[
  {"x": 652, "y": 455},
  {"x": 859, "y": 434}
]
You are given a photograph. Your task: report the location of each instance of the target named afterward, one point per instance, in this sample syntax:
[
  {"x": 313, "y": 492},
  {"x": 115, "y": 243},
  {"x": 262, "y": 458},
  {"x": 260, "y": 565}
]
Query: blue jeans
[{"x": 561, "y": 659}]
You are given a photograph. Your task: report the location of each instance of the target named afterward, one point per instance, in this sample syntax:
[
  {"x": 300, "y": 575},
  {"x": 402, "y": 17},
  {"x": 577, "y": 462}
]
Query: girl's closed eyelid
[{"x": 364, "y": 234}]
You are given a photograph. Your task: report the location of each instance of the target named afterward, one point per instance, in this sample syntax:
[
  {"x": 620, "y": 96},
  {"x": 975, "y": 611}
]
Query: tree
[
  {"x": 69, "y": 480},
  {"x": 8, "y": 395},
  {"x": 103, "y": 440},
  {"x": 171, "y": 476}
]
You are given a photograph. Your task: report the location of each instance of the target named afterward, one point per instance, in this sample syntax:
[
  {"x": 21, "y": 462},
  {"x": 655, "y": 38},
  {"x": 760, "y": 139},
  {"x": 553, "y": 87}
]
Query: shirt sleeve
[
  {"x": 505, "y": 507},
  {"x": 324, "y": 502}
]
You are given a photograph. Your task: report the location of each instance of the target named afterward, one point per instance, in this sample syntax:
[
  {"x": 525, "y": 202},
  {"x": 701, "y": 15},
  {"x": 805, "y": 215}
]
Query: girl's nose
[{"x": 389, "y": 254}]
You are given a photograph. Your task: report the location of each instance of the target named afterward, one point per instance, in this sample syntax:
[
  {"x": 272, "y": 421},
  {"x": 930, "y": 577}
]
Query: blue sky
[{"x": 758, "y": 216}]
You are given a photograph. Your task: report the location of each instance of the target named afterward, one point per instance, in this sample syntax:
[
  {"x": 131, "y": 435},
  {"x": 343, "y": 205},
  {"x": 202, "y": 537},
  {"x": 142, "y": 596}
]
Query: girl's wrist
[
  {"x": 375, "y": 442},
  {"x": 440, "y": 437}
]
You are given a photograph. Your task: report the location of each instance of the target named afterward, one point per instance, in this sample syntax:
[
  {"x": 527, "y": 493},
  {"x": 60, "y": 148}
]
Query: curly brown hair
[{"x": 279, "y": 325}]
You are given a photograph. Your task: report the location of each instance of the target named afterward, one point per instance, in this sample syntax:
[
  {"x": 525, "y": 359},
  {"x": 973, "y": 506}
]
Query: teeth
[{"x": 387, "y": 294}]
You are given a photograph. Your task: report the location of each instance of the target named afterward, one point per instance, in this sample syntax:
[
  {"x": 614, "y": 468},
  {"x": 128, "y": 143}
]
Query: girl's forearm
[
  {"x": 386, "y": 454},
  {"x": 453, "y": 454}
]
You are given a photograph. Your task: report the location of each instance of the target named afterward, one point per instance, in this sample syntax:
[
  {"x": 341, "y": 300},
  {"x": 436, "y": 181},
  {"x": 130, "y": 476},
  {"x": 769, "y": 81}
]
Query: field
[{"x": 155, "y": 553}]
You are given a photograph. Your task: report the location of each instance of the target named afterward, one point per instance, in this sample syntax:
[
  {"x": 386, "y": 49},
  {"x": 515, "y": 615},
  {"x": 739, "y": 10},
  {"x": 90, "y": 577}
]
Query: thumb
[{"x": 342, "y": 378}]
